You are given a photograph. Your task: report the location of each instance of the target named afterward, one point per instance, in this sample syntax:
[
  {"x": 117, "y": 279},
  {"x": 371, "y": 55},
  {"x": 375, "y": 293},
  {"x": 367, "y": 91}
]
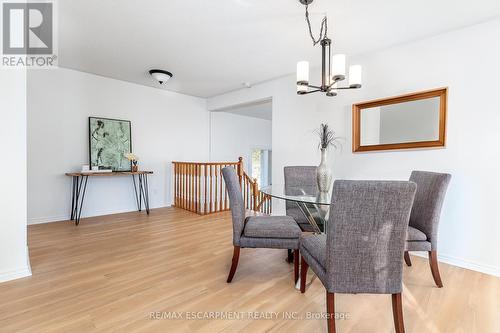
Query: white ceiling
[
  {"x": 213, "y": 47},
  {"x": 261, "y": 110}
]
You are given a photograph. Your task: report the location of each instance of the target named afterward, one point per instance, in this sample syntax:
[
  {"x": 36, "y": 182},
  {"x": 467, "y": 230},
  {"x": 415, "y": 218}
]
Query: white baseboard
[
  {"x": 40, "y": 220},
  {"x": 17, "y": 273},
  {"x": 454, "y": 261},
  {"x": 50, "y": 219}
]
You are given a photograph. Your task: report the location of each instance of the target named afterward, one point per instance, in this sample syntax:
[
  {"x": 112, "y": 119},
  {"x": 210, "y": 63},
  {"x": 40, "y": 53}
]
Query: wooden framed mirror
[{"x": 416, "y": 120}]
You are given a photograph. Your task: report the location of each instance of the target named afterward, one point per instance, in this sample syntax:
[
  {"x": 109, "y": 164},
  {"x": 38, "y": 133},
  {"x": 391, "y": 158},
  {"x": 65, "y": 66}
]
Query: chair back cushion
[
  {"x": 299, "y": 180},
  {"x": 366, "y": 235},
  {"x": 235, "y": 201},
  {"x": 431, "y": 191}
]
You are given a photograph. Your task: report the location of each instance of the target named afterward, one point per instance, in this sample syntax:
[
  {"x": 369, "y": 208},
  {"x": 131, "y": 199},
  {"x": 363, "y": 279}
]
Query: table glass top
[{"x": 298, "y": 194}]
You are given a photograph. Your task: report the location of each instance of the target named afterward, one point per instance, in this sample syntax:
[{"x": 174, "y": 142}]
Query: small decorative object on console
[{"x": 133, "y": 159}]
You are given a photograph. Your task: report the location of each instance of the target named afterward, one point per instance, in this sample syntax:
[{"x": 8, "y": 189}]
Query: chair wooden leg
[
  {"x": 296, "y": 265},
  {"x": 303, "y": 274},
  {"x": 330, "y": 309},
  {"x": 289, "y": 257},
  {"x": 435, "y": 268},
  {"x": 397, "y": 312},
  {"x": 407, "y": 259},
  {"x": 234, "y": 265}
]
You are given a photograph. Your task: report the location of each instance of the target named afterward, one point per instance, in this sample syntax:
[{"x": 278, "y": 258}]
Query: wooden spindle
[
  {"x": 193, "y": 184},
  {"x": 225, "y": 197},
  {"x": 190, "y": 199},
  {"x": 198, "y": 176},
  {"x": 196, "y": 189},
  {"x": 211, "y": 189},
  {"x": 185, "y": 187},
  {"x": 179, "y": 190},
  {"x": 179, "y": 178},
  {"x": 220, "y": 189},
  {"x": 243, "y": 190},
  {"x": 183, "y": 190},
  {"x": 177, "y": 185},
  {"x": 195, "y": 193},
  {"x": 247, "y": 190},
  {"x": 205, "y": 189},
  {"x": 216, "y": 182},
  {"x": 180, "y": 184},
  {"x": 192, "y": 188}
]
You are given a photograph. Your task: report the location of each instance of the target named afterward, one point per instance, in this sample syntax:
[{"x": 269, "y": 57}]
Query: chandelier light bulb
[
  {"x": 338, "y": 67},
  {"x": 303, "y": 73},
  {"x": 355, "y": 76}
]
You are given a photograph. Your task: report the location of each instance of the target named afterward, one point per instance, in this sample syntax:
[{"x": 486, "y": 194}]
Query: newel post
[
  {"x": 255, "y": 192},
  {"x": 240, "y": 169}
]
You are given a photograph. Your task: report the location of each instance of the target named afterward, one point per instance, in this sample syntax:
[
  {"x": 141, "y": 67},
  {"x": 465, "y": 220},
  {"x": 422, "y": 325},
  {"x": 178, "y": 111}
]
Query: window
[{"x": 261, "y": 166}]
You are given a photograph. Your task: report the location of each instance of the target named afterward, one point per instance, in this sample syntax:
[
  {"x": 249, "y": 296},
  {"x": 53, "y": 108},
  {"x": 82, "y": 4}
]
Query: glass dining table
[{"x": 314, "y": 206}]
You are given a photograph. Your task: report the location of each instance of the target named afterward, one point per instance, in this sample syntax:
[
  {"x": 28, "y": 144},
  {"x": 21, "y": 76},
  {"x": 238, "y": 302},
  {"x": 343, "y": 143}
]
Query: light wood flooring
[{"x": 110, "y": 273}]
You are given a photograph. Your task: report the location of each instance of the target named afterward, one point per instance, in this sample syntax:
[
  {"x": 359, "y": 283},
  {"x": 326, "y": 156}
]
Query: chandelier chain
[{"x": 324, "y": 28}]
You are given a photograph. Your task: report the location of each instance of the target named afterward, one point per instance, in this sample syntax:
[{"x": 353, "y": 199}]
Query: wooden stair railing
[{"x": 200, "y": 188}]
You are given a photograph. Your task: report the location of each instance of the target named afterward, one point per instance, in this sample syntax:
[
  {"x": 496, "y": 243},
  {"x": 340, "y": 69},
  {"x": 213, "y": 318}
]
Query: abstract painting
[{"x": 109, "y": 141}]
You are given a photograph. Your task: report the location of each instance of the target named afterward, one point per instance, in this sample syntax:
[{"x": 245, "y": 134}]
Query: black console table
[{"x": 79, "y": 188}]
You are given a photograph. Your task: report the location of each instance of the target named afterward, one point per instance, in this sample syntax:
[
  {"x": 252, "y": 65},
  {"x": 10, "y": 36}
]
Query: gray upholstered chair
[
  {"x": 424, "y": 219},
  {"x": 276, "y": 232},
  {"x": 362, "y": 251},
  {"x": 300, "y": 180}
]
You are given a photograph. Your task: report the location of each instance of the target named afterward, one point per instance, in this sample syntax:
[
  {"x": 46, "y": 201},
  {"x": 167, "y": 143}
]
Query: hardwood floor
[{"x": 110, "y": 273}]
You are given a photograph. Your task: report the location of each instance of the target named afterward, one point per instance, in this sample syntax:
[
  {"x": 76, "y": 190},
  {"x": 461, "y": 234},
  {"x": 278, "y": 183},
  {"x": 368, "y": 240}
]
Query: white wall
[
  {"x": 13, "y": 250},
  {"x": 234, "y": 135},
  {"x": 464, "y": 60},
  {"x": 166, "y": 127}
]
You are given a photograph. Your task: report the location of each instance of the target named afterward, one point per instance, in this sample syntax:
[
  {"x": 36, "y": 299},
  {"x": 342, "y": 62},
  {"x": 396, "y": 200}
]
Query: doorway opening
[{"x": 244, "y": 130}]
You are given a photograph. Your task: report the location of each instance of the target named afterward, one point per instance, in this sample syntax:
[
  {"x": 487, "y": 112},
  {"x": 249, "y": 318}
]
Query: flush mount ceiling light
[
  {"x": 333, "y": 68},
  {"x": 160, "y": 75}
]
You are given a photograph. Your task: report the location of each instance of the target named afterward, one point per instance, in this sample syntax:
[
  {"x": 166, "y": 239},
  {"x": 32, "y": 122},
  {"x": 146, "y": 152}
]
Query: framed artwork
[{"x": 109, "y": 141}]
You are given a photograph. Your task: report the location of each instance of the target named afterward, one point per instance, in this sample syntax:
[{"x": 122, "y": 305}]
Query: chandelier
[{"x": 333, "y": 68}]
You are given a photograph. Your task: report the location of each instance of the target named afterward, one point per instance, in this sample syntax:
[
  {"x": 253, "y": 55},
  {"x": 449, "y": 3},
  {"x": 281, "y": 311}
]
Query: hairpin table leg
[
  {"x": 140, "y": 192},
  {"x": 79, "y": 214},
  {"x": 77, "y": 197},
  {"x": 73, "y": 197},
  {"x": 137, "y": 194},
  {"x": 146, "y": 193}
]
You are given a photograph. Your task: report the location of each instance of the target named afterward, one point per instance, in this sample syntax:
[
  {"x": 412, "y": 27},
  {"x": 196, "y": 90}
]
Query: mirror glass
[{"x": 413, "y": 121}]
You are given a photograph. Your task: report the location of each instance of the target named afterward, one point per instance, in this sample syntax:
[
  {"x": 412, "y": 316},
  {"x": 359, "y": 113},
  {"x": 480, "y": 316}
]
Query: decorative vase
[
  {"x": 135, "y": 168},
  {"x": 324, "y": 176}
]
